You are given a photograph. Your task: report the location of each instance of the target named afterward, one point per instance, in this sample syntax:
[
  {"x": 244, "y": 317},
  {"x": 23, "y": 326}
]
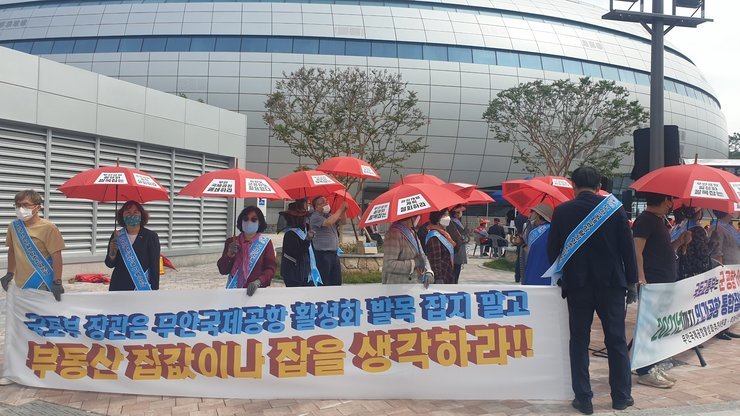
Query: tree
[
  {"x": 734, "y": 149},
  {"x": 556, "y": 127},
  {"x": 370, "y": 115}
]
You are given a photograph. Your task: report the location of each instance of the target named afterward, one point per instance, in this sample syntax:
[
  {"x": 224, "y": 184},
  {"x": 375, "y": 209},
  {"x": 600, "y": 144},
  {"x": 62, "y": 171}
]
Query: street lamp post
[{"x": 655, "y": 23}]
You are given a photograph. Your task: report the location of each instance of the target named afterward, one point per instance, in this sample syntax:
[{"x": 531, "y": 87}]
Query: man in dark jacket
[
  {"x": 596, "y": 278},
  {"x": 497, "y": 230}
]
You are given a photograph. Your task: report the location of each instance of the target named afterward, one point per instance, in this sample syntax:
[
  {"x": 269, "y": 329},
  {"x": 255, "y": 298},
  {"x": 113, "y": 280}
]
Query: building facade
[{"x": 456, "y": 54}]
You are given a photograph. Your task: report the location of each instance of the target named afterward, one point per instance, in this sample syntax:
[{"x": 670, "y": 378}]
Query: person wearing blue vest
[
  {"x": 296, "y": 265},
  {"x": 590, "y": 245},
  {"x": 249, "y": 258},
  {"x": 440, "y": 248},
  {"x": 537, "y": 259},
  {"x": 404, "y": 260},
  {"x": 133, "y": 251},
  {"x": 34, "y": 248}
]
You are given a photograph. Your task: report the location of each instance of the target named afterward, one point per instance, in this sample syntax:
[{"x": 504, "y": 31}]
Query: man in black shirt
[
  {"x": 656, "y": 263},
  {"x": 497, "y": 230}
]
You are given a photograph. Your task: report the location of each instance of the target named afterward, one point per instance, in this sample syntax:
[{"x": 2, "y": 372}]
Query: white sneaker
[
  {"x": 654, "y": 379},
  {"x": 667, "y": 376},
  {"x": 6, "y": 381}
]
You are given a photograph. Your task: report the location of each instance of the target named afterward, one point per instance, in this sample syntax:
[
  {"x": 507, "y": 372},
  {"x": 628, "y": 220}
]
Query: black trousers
[
  {"x": 328, "y": 264},
  {"x": 608, "y": 303},
  {"x": 457, "y": 270}
]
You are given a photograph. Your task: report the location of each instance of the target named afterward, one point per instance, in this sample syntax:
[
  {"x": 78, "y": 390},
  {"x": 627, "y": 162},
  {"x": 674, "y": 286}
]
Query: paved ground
[{"x": 709, "y": 391}]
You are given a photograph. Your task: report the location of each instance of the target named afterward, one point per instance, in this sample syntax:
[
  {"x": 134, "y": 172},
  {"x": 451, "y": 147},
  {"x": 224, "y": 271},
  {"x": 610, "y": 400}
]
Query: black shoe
[
  {"x": 623, "y": 405},
  {"x": 724, "y": 336},
  {"x": 732, "y": 334},
  {"x": 584, "y": 407}
]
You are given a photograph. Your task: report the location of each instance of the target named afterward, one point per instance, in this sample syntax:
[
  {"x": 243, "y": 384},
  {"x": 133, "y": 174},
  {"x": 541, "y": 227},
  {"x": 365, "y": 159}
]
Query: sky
[{"x": 715, "y": 49}]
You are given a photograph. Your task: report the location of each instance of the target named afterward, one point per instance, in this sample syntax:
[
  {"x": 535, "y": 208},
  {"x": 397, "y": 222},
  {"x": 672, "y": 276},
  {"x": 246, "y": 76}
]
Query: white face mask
[
  {"x": 23, "y": 213},
  {"x": 327, "y": 209},
  {"x": 444, "y": 221},
  {"x": 416, "y": 221}
]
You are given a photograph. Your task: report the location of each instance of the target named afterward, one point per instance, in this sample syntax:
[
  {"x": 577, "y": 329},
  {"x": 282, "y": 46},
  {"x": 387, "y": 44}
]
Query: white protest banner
[
  {"x": 708, "y": 189},
  {"x": 220, "y": 187},
  {"x": 113, "y": 178},
  {"x": 357, "y": 341},
  {"x": 146, "y": 180},
  {"x": 411, "y": 204},
  {"x": 260, "y": 186},
  {"x": 673, "y": 317},
  {"x": 322, "y": 180},
  {"x": 368, "y": 170},
  {"x": 562, "y": 183},
  {"x": 379, "y": 213}
]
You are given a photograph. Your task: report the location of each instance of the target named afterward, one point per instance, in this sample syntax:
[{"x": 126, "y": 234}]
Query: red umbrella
[
  {"x": 460, "y": 188},
  {"x": 349, "y": 166},
  {"x": 114, "y": 183},
  {"x": 234, "y": 183},
  {"x": 336, "y": 198},
  {"x": 564, "y": 185},
  {"x": 406, "y": 201},
  {"x": 478, "y": 197},
  {"x": 418, "y": 178},
  {"x": 698, "y": 185},
  {"x": 308, "y": 183},
  {"x": 524, "y": 195}
]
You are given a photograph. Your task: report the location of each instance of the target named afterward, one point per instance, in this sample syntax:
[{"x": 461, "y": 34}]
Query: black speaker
[
  {"x": 607, "y": 184},
  {"x": 671, "y": 150},
  {"x": 627, "y": 201}
]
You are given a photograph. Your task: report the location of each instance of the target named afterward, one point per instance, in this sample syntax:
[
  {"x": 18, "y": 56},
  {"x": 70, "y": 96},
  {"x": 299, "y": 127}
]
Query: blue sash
[
  {"x": 314, "y": 276},
  {"x": 537, "y": 233},
  {"x": 410, "y": 236},
  {"x": 255, "y": 251},
  {"x": 137, "y": 273},
  {"x": 583, "y": 231},
  {"x": 443, "y": 240},
  {"x": 680, "y": 229},
  {"x": 730, "y": 229},
  {"x": 44, "y": 272}
]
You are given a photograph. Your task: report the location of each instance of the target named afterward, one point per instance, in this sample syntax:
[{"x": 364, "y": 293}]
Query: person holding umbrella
[
  {"x": 249, "y": 258},
  {"x": 133, "y": 251},
  {"x": 404, "y": 260},
  {"x": 34, "y": 248},
  {"x": 440, "y": 247},
  {"x": 326, "y": 240},
  {"x": 459, "y": 234}
]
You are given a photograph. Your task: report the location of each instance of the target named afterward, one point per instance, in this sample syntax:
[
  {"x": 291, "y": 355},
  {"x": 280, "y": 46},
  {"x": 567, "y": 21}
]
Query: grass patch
[
  {"x": 357, "y": 278},
  {"x": 500, "y": 264}
]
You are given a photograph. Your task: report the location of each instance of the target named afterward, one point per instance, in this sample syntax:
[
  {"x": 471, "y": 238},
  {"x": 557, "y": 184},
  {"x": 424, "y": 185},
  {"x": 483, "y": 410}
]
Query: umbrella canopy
[
  {"x": 460, "y": 188},
  {"x": 348, "y": 166},
  {"x": 478, "y": 197},
  {"x": 336, "y": 199},
  {"x": 406, "y": 201},
  {"x": 418, "y": 178},
  {"x": 309, "y": 183},
  {"x": 234, "y": 183},
  {"x": 114, "y": 183},
  {"x": 524, "y": 195},
  {"x": 697, "y": 185}
]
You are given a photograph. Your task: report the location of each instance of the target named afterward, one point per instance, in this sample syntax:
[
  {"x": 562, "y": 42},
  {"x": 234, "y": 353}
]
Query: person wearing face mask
[
  {"x": 133, "y": 251},
  {"x": 440, "y": 247},
  {"x": 537, "y": 258},
  {"x": 31, "y": 237},
  {"x": 656, "y": 263},
  {"x": 404, "y": 260},
  {"x": 249, "y": 258},
  {"x": 326, "y": 240},
  {"x": 460, "y": 236}
]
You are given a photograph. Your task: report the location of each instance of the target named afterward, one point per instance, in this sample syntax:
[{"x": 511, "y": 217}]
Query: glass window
[
  {"x": 642, "y": 79},
  {"x": 358, "y": 48},
  {"x": 530, "y": 61},
  {"x": 627, "y": 76},
  {"x": 107, "y": 45},
  {"x": 483, "y": 56},
  {"x": 410, "y": 51},
  {"x": 669, "y": 85},
  {"x": 691, "y": 92},
  {"x": 41, "y": 46},
  {"x": 24, "y": 46},
  {"x": 552, "y": 64},
  {"x": 178, "y": 44},
  {"x": 304, "y": 45},
  {"x": 228, "y": 44},
  {"x": 63, "y": 46},
  {"x": 384, "y": 49},
  {"x": 609, "y": 72},
  {"x": 331, "y": 47},
  {"x": 280, "y": 45},
  {"x": 507, "y": 58},
  {"x": 460, "y": 54},
  {"x": 435, "y": 53},
  {"x": 681, "y": 89},
  {"x": 154, "y": 44},
  {"x": 202, "y": 44},
  {"x": 572, "y": 67},
  {"x": 592, "y": 70},
  {"x": 254, "y": 44},
  {"x": 85, "y": 45},
  {"x": 130, "y": 45}
]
